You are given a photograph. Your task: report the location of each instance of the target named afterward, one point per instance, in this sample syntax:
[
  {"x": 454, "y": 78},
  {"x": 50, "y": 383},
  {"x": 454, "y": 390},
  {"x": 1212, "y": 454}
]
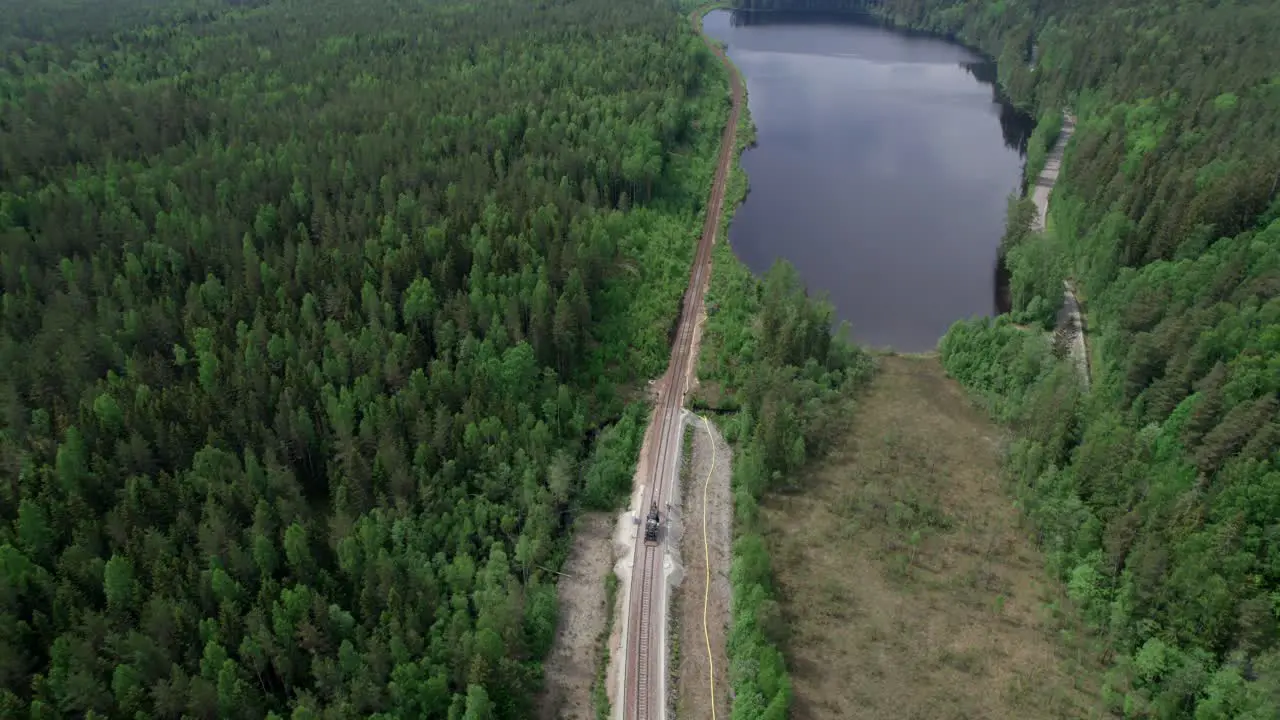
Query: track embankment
[
  {"x": 636, "y": 675},
  {"x": 642, "y": 646}
]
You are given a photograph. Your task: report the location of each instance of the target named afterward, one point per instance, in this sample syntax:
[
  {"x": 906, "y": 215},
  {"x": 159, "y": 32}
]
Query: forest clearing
[
  {"x": 908, "y": 587},
  {"x": 571, "y": 666}
]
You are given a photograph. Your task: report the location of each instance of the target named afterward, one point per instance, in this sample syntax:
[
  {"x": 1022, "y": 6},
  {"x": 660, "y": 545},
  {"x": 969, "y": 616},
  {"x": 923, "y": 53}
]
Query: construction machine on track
[{"x": 651, "y": 525}]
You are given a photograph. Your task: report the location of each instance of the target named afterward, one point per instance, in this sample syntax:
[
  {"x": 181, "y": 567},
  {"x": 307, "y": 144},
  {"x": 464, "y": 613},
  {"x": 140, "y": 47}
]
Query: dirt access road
[
  {"x": 701, "y": 609},
  {"x": 643, "y": 651},
  {"x": 1049, "y": 174},
  {"x": 1070, "y": 317}
]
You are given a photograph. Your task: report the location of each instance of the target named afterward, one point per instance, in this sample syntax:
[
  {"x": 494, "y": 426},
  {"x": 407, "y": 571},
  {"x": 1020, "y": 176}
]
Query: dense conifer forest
[
  {"x": 320, "y": 319},
  {"x": 1156, "y": 495}
]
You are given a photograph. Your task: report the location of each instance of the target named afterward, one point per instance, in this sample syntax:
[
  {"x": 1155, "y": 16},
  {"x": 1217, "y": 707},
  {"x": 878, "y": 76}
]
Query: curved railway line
[{"x": 646, "y": 620}]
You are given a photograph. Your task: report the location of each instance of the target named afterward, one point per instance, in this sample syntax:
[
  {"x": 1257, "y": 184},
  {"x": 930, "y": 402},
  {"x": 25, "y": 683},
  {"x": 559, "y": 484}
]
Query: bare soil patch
[
  {"x": 571, "y": 666},
  {"x": 908, "y": 587},
  {"x": 693, "y": 686}
]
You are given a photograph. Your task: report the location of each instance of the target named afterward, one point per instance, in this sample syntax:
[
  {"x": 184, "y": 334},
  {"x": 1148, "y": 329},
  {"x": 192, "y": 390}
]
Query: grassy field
[{"x": 909, "y": 589}]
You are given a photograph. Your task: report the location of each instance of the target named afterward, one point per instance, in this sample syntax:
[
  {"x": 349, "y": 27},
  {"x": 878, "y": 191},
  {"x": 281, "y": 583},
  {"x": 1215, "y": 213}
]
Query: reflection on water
[
  {"x": 883, "y": 164},
  {"x": 1004, "y": 296},
  {"x": 1014, "y": 124}
]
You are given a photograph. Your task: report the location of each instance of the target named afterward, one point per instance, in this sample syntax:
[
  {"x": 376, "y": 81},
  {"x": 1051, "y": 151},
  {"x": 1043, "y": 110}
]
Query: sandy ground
[
  {"x": 693, "y": 687},
  {"x": 571, "y": 666},
  {"x": 908, "y": 586}
]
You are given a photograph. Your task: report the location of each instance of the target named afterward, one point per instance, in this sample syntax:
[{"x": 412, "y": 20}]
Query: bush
[{"x": 612, "y": 464}]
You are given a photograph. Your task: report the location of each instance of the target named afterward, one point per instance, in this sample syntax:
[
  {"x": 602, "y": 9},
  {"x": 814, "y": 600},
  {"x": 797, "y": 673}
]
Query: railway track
[{"x": 644, "y": 698}]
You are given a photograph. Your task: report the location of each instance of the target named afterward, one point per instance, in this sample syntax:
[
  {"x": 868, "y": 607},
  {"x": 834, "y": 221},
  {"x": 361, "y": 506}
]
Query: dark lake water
[{"x": 883, "y": 164}]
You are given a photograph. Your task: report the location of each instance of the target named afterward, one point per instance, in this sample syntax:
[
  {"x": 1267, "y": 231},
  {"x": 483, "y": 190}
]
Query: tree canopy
[
  {"x": 1157, "y": 494},
  {"x": 311, "y": 310}
]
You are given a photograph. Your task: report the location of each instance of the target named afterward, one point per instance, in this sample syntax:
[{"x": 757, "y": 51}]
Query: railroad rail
[{"x": 645, "y": 654}]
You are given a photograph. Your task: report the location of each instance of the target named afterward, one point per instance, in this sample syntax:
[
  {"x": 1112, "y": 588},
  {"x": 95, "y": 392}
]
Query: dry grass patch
[
  {"x": 571, "y": 667},
  {"x": 907, "y": 586}
]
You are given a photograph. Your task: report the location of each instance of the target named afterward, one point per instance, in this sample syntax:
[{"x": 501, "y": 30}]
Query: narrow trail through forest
[
  {"x": 1070, "y": 317},
  {"x": 643, "y": 644}
]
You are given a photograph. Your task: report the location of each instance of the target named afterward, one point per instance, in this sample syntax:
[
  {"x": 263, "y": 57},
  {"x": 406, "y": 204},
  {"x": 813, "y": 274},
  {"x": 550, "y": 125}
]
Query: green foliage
[
  {"x": 786, "y": 418},
  {"x": 1036, "y": 276},
  {"x": 310, "y": 319},
  {"x": 1019, "y": 221},
  {"x": 1156, "y": 496},
  {"x": 1048, "y": 128},
  {"x": 1118, "y": 486},
  {"x": 1034, "y": 261},
  {"x": 996, "y": 360},
  {"x": 769, "y": 346},
  {"x": 599, "y": 689},
  {"x": 612, "y": 465}
]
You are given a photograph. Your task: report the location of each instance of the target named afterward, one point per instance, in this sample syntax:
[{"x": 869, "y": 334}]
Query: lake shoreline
[{"x": 882, "y": 168}]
